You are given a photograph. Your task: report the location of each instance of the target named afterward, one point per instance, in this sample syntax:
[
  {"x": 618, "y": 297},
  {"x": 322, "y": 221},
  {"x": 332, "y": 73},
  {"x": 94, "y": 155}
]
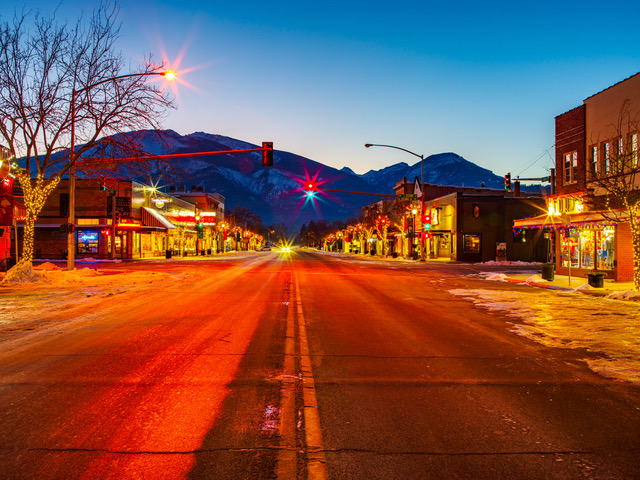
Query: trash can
[
  {"x": 168, "y": 253},
  {"x": 548, "y": 271},
  {"x": 595, "y": 279}
]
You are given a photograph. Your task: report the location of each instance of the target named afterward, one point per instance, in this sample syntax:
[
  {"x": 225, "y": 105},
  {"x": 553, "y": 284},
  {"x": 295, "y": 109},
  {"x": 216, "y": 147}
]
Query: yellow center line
[
  {"x": 316, "y": 461},
  {"x": 287, "y": 459}
]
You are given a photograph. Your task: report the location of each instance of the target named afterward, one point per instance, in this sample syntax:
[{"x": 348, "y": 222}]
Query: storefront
[{"x": 583, "y": 242}]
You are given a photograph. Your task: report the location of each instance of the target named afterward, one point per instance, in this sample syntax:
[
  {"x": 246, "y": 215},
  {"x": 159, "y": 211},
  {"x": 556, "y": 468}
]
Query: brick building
[{"x": 589, "y": 139}]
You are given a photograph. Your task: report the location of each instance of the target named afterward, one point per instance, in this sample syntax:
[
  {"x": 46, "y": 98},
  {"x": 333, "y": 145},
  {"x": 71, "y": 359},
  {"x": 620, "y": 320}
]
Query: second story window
[
  {"x": 594, "y": 161},
  {"x": 570, "y": 167},
  {"x": 606, "y": 158},
  {"x": 633, "y": 145}
]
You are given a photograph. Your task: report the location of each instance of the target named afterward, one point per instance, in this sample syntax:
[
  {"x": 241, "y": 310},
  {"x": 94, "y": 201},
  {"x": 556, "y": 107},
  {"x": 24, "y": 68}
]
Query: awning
[
  {"x": 557, "y": 221},
  {"x": 153, "y": 218}
]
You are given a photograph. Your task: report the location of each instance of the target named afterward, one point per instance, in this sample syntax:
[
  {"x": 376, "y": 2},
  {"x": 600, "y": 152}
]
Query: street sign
[{"x": 405, "y": 197}]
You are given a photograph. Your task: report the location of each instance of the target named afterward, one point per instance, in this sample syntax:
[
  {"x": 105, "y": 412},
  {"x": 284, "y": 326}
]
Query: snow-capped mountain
[{"x": 276, "y": 193}]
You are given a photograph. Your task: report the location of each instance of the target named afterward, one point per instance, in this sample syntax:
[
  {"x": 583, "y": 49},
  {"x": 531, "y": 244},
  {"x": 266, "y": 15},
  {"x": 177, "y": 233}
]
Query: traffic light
[
  {"x": 426, "y": 222},
  {"x": 267, "y": 154},
  {"x": 310, "y": 190},
  {"x": 507, "y": 182}
]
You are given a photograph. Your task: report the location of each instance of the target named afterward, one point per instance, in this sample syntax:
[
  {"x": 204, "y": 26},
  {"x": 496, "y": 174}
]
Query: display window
[
  {"x": 588, "y": 248},
  {"x": 471, "y": 243},
  {"x": 88, "y": 241}
]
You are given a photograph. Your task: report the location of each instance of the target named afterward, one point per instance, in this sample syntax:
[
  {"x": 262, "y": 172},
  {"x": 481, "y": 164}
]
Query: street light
[
  {"x": 71, "y": 246},
  {"x": 421, "y": 157}
]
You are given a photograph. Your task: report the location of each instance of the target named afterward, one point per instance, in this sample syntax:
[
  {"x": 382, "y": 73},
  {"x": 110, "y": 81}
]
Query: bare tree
[
  {"x": 58, "y": 80},
  {"x": 614, "y": 178}
]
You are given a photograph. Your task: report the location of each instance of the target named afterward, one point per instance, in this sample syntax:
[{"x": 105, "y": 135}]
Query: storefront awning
[
  {"x": 153, "y": 218},
  {"x": 557, "y": 221}
]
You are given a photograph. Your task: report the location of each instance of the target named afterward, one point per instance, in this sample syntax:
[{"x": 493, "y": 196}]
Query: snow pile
[
  {"x": 610, "y": 328},
  {"x": 533, "y": 279},
  {"x": 499, "y": 277},
  {"x": 48, "y": 266},
  {"x": 505, "y": 262},
  {"x": 626, "y": 295},
  {"x": 25, "y": 273},
  {"x": 582, "y": 288},
  {"x": 21, "y": 273}
]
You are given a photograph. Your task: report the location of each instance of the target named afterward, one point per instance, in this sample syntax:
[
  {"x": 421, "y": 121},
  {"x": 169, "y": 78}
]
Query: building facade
[{"x": 592, "y": 142}]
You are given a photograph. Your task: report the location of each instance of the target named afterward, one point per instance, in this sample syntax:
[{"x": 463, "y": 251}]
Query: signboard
[{"x": 405, "y": 197}]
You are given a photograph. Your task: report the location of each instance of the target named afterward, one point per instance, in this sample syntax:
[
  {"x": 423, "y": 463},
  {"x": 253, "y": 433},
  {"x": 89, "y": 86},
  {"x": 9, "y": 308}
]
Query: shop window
[
  {"x": 88, "y": 241},
  {"x": 471, "y": 244},
  {"x": 588, "y": 248}
]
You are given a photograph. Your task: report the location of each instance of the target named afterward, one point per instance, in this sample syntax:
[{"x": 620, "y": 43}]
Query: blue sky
[{"x": 320, "y": 79}]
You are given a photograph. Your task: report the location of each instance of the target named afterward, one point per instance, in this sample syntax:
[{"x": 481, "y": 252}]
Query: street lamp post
[
  {"x": 421, "y": 157},
  {"x": 71, "y": 244}
]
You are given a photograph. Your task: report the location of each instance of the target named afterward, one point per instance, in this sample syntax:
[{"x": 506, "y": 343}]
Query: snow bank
[
  {"x": 505, "y": 262},
  {"x": 25, "y": 273}
]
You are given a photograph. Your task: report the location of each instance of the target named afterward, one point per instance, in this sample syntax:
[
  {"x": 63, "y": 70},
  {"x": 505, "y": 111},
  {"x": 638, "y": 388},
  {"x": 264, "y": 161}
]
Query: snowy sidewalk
[{"x": 564, "y": 282}]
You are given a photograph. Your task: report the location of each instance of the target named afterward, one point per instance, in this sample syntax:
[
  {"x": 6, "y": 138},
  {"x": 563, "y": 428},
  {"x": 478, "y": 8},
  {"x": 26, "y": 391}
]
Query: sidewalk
[{"x": 564, "y": 282}]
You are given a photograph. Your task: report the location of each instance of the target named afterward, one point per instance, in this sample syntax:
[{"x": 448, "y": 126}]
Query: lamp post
[
  {"x": 71, "y": 246},
  {"x": 421, "y": 157}
]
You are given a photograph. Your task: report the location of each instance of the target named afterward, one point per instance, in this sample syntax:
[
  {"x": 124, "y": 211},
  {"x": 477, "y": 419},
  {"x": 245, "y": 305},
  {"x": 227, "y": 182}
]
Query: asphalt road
[{"x": 303, "y": 366}]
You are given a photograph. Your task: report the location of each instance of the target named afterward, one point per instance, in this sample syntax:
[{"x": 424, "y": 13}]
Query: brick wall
[
  {"x": 570, "y": 136},
  {"x": 624, "y": 253}
]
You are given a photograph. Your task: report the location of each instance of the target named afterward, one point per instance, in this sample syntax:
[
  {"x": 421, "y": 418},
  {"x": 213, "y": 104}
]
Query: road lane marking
[
  {"x": 287, "y": 457},
  {"x": 316, "y": 460}
]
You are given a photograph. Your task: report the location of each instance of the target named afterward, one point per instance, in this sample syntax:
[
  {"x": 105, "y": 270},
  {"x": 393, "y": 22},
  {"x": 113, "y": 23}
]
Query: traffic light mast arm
[
  {"x": 359, "y": 193},
  {"x": 89, "y": 162}
]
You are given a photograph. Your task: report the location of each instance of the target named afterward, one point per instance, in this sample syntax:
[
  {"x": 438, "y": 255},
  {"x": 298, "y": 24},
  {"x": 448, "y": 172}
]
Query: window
[
  {"x": 633, "y": 143},
  {"x": 594, "y": 161},
  {"x": 64, "y": 204},
  {"x": 616, "y": 164},
  {"x": 570, "y": 167},
  {"x": 606, "y": 157},
  {"x": 471, "y": 244}
]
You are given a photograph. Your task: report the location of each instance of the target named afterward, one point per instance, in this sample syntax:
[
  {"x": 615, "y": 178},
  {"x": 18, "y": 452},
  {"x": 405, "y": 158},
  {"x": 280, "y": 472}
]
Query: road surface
[{"x": 298, "y": 366}]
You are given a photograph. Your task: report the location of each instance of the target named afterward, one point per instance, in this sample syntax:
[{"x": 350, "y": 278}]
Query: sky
[{"x": 484, "y": 80}]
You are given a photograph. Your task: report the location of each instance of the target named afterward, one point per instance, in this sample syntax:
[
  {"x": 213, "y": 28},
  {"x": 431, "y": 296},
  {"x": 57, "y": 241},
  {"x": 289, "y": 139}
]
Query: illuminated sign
[
  {"x": 160, "y": 202},
  {"x": 88, "y": 236},
  {"x": 560, "y": 205}
]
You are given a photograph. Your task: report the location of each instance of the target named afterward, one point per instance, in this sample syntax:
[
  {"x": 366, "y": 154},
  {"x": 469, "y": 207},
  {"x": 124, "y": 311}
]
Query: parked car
[{"x": 265, "y": 248}]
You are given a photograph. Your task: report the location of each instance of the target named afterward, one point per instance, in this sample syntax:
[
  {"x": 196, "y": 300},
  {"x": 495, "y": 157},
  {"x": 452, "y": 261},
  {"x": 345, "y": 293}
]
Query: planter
[
  {"x": 595, "y": 279},
  {"x": 548, "y": 271}
]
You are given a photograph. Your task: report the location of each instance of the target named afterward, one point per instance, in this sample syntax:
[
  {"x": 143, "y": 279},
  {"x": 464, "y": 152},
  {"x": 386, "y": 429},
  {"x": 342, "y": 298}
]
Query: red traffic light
[{"x": 267, "y": 154}]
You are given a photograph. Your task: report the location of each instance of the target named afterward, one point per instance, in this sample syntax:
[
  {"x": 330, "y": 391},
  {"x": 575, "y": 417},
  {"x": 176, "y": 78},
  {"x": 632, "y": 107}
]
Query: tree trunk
[{"x": 34, "y": 199}]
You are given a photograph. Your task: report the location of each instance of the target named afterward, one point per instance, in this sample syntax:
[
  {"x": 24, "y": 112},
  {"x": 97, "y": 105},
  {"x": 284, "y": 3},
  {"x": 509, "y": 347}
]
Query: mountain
[{"x": 276, "y": 193}]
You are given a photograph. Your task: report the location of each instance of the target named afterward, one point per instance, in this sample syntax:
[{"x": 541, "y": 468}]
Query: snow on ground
[{"x": 603, "y": 326}]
